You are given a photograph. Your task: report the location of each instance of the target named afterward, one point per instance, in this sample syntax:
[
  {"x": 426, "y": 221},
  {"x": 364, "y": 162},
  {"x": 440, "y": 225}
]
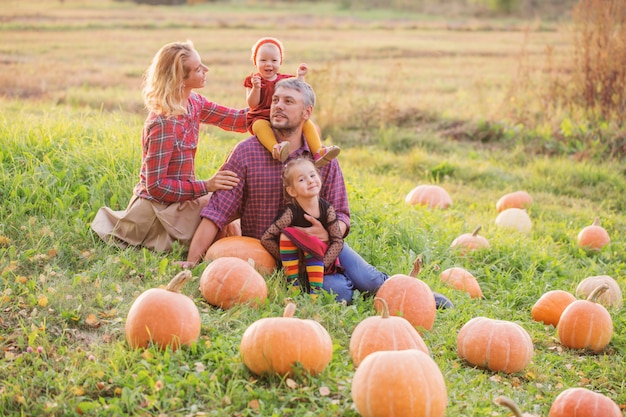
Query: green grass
[
  {"x": 70, "y": 123},
  {"x": 65, "y": 291}
]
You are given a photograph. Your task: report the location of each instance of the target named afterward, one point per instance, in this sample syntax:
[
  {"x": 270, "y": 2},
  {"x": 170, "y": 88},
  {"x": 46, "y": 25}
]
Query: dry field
[{"x": 375, "y": 68}]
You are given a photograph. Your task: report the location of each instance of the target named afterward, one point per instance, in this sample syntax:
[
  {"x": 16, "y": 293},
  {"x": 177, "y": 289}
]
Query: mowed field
[{"x": 396, "y": 91}]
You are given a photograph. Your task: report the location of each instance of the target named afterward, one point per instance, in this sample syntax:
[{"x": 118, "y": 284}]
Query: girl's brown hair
[{"x": 287, "y": 180}]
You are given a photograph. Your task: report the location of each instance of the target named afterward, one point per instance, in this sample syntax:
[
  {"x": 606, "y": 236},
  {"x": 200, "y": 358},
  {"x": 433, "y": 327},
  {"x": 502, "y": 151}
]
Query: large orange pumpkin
[
  {"x": 586, "y": 324},
  {"x": 584, "y": 403},
  {"x": 383, "y": 332},
  {"x": 164, "y": 317},
  {"x": 497, "y": 345},
  {"x": 432, "y": 196},
  {"x": 609, "y": 298},
  {"x": 469, "y": 242},
  {"x": 231, "y": 281},
  {"x": 593, "y": 237},
  {"x": 550, "y": 306},
  {"x": 461, "y": 279},
  {"x": 517, "y": 199},
  {"x": 399, "y": 383},
  {"x": 516, "y": 219},
  {"x": 274, "y": 345},
  {"x": 409, "y": 297},
  {"x": 243, "y": 247}
]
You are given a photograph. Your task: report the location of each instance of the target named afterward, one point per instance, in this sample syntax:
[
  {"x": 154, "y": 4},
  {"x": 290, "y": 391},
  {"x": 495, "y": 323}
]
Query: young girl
[
  {"x": 167, "y": 200},
  {"x": 267, "y": 56},
  {"x": 305, "y": 258}
]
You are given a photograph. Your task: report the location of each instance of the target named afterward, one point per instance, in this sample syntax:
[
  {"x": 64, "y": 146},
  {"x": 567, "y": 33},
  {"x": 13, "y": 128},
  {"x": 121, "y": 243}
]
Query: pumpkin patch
[
  {"x": 383, "y": 332},
  {"x": 583, "y": 402},
  {"x": 399, "y": 383},
  {"x": 409, "y": 297},
  {"x": 275, "y": 345},
  {"x": 245, "y": 248},
  {"x": 431, "y": 196},
  {"x": 550, "y": 306},
  {"x": 585, "y": 324},
  {"x": 593, "y": 237},
  {"x": 497, "y": 345},
  {"x": 461, "y": 279},
  {"x": 164, "y": 317},
  {"x": 231, "y": 281}
]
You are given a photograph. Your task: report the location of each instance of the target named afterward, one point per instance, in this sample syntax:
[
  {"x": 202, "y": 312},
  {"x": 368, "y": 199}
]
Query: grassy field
[{"x": 397, "y": 91}]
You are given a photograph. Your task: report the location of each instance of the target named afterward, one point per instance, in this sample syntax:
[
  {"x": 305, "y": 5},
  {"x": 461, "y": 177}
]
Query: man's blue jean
[{"x": 357, "y": 275}]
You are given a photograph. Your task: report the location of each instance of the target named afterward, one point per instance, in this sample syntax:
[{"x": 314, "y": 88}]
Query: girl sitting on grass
[{"x": 305, "y": 258}]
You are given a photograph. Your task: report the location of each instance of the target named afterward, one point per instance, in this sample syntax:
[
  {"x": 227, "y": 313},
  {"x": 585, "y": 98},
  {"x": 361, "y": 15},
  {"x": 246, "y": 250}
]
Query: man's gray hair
[{"x": 302, "y": 87}]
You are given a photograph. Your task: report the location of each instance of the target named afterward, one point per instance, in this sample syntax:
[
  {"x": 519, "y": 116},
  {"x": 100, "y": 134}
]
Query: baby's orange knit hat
[{"x": 263, "y": 41}]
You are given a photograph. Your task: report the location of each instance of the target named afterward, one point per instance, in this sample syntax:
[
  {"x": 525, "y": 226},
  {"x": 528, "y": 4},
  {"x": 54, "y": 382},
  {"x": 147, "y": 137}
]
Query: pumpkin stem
[
  {"x": 417, "y": 266},
  {"x": 475, "y": 232},
  {"x": 385, "y": 312},
  {"x": 596, "y": 222},
  {"x": 597, "y": 292},
  {"x": 178, "y": 281},
  {"x": 290, "y": 309},
  {"x": 509, "y": 403}
]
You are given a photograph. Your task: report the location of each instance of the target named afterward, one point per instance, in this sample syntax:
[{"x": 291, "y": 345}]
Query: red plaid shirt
[
  {"x": 169, "y": 150},
  {"x": 258, "y": 198}
]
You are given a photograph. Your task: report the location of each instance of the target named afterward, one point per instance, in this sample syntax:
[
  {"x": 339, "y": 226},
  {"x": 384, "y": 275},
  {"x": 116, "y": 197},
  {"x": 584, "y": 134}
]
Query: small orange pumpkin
[
  {"x": 274, "y": 345},
  {"x": 583, "y": 402},
  {"x": 231, "y": 281},
  {"x": 399, "y": 383},
  {"x": 463, "y": 280},
  {"x": 497, "y": 345},
  {"x": 514, "y": 218},
  {"x": 593, "y": 237},
  {"x": 383, "y": 332},
  {"x": 411, "y": 298},
  {"x": 243, "y": 247},
  {"x": 432, "y": 196},
  {"x": 550, "y": 306},
  {"x": 469, "y": 242},
  {"x": 609, "y": 298},
  {"x": 517, "y": 199},
  {"x": 586, "y": 324},
  {"x": 164, "y": 317}
]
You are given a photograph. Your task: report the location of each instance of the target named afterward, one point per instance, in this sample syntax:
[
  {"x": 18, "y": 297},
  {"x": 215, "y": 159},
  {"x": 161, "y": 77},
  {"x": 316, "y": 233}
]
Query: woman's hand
[{"x": 222, "y": 180}]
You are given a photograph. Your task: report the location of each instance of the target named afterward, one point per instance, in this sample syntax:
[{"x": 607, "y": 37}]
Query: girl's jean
[{"x": 357, "y": 275}]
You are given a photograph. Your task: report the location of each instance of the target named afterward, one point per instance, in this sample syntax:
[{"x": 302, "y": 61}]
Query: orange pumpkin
[
  {"x": 586, "y": 324},
  {"x": 463, "y": 280},
  {"x": 399, "y": 383},
  {"x": 243, "y": 247},
  {"x": 231, "y": 281},
  {"x": 550, "y": 306},
  {"x": 583, "y": 402},
  {"x": 470, "y": 242},
  {"x": 609, "y": 298},
  {"x": 409, "y": 297},
  {"x": 517, "y": 199},
  {"x": 274, "y": 345},
  {"x": 383, "y": 332},
  {"x": 432, "y": 196},
  {"x": 164, "y": 317},
  {"x": 497, "y": 345},
  {"x": 514, "y": 218},
  {"x": 593, "y": 237}
]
